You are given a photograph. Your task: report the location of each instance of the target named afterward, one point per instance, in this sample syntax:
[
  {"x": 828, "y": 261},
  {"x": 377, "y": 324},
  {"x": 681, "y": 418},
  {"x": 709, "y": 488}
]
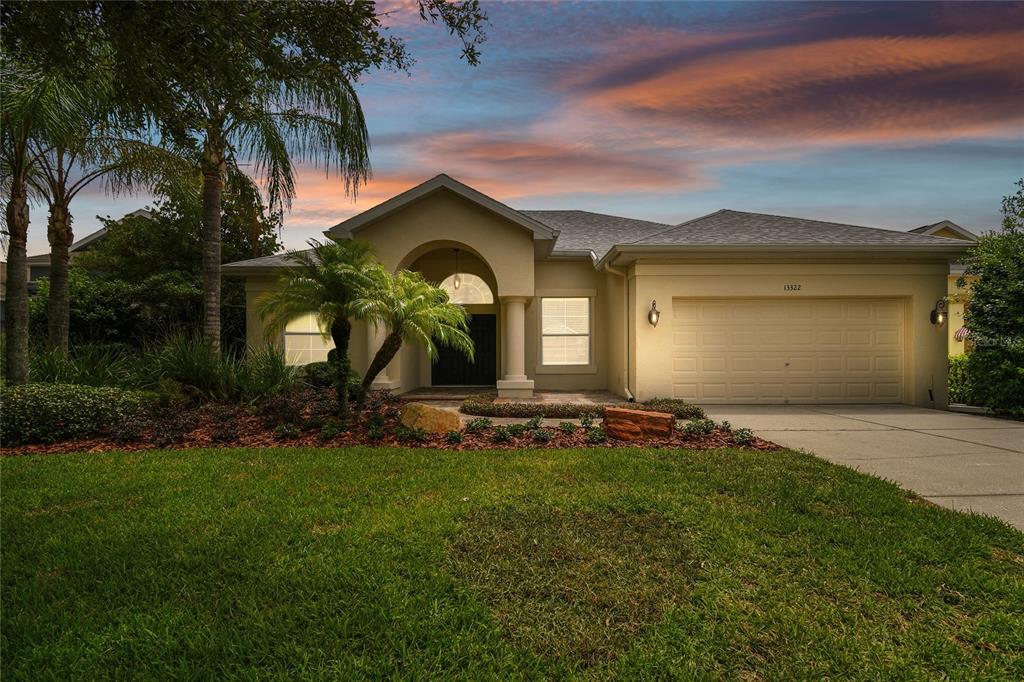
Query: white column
[
  {"x": 515, "y": 384},
  {"x": 389, "y": 378}
]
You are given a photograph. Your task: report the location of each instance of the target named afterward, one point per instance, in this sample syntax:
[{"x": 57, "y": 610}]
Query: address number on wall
[{"x": 791, "y": 287}]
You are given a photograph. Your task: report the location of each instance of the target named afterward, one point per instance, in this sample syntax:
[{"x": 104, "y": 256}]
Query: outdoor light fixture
[
  {"x": 457, "y": 281},
  {"x": 653, "y": 315},
  {"x": 940, "y": 313}
]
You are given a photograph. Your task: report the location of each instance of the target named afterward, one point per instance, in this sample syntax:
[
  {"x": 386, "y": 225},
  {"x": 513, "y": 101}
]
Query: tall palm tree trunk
[
  {"x": 16, "y": 313},
  {"x": 385, "y": 354},
  {"x": 213, "y": 186},
  {"x": 341, "y": 333},
  {"x": 58, "y": 306}
]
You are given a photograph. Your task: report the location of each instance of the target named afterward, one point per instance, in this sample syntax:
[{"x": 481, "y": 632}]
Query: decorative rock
[
  {"x": 430, "y": 419},
  {"x": 625, "y": 424}
]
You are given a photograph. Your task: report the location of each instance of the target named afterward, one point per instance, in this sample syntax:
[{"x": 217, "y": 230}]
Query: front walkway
[{"x": 956, "y": 460}]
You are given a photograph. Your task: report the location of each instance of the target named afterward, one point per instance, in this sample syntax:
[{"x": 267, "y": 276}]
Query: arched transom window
[{"x": 471, "y": 289}]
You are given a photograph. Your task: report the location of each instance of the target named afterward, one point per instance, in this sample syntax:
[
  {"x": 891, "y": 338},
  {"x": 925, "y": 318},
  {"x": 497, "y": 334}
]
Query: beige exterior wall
[
  {"x": 919, "y": 285},
  {"x": 958, "y": 298}
]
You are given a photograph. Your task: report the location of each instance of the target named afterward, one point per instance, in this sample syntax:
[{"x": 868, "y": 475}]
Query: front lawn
[{"x": 363, "y": 562}]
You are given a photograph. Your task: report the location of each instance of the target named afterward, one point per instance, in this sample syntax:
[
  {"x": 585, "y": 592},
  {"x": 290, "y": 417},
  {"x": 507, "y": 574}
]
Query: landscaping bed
[{"x": 307, "y": 417}]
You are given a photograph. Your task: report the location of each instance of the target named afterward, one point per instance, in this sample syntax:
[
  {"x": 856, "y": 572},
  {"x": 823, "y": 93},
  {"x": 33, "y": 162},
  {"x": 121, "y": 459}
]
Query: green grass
[{"x": 363, "y": 563}]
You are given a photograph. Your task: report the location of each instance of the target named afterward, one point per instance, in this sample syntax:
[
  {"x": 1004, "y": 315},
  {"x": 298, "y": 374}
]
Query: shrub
[
  {"x": 478, "y": 424},
  {"x": 586, "y": 420},
  {"x": 596, "y": 435},
  {"x": 743, "y": 437},
  {"x": 453, "y": 437},
  {"x": 726, "y": 426},
  {"x": 961, "y": 384},
  {"x": 47, "y": 413},
  {"x": 332, "y": 428},
  {"x": 517, "y": 429},
  {"x": 543, "y": 435},
  {"x": 410, "y": 435},
  {"x": 699, "y": 427},
  {"x": 534, "y": 422},
  {"x": 674, "y": 406},
  {"x": 567, "y": 427},
  {"x": 501, "y": 434},
  {"x": 286, "y": 431},
  {"x": 247, "y": 377},
  {"x": 375, "y": 427},
  {"x": 90, "y": 365},
  {"x": 280, "y": 409},
  {"x": 325, "y": 374},
  {"x": 226, "y": 432}
]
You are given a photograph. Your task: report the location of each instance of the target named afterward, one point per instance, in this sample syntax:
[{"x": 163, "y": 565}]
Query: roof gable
[
  {"x": 349, "y": 228},
  {"x": 946, "y": 228}
]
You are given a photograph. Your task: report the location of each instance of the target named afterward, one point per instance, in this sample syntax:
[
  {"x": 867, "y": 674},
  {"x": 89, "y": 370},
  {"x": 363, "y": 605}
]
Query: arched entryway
[{"x": 449, "y": 264}]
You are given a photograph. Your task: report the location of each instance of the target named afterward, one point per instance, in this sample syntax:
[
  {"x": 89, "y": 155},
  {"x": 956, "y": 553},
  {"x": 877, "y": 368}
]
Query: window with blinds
[
  {"x": 303, "y": 342},
  {"x": 565, "y": 331}
]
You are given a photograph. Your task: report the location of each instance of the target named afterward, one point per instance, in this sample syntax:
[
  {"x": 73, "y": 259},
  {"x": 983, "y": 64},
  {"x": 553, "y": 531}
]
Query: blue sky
[{"x": 886, "y": 114}]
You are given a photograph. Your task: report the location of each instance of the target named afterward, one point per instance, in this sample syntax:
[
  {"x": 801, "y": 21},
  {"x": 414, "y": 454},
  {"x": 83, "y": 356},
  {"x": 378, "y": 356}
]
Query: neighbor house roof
[
  {"x": 935, "y": 228},
  {"x": 87, "y": 240}
]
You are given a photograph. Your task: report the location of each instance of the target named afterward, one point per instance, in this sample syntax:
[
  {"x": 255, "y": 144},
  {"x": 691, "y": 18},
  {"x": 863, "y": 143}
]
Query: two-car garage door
[{"x": 788, "y": 350}]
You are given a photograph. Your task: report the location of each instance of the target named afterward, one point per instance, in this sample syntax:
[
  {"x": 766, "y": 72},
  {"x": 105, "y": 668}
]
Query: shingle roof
[
  {"x": 596, "y": 232},
  {"x": 729, "y": 228},
  {"x": 278, "y": 260}
]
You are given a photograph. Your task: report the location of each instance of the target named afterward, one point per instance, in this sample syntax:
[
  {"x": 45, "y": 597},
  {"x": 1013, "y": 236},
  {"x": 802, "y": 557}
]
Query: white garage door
[{"x": 788, "y": 351}]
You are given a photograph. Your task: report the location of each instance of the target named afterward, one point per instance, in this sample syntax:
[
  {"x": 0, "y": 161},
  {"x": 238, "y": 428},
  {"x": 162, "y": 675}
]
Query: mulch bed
[{"x": 230, "y": 425}]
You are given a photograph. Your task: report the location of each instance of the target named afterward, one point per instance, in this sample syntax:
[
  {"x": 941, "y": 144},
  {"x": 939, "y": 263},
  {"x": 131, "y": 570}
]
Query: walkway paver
[{"x": 960, "y": 461}]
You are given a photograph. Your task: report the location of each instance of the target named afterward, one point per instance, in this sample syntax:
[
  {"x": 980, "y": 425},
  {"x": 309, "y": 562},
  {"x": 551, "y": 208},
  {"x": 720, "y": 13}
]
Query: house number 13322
[{"x": 791, "y": 287}]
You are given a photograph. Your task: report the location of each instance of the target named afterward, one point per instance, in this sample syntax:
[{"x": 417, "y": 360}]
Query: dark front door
[{"x": 454, "y": 369}]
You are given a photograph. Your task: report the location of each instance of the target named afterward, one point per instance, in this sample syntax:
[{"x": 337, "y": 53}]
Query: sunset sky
[{"x": 894, "y": 115}]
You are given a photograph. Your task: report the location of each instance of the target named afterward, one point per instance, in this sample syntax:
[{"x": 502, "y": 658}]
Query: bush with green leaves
[
  {"x": 534, "y": 422},
  {"x": 567, "y": 427},
  {"x": 92, "y": 365},
  {"x": 286, "y": 431},
  {"x": 995, "y": 313},
  {"x": 331, "y": 429},
  {"x": 325, "y": 375},
  {"x": 453, "y": 437},
  {"x": 699, "y": 427},
  {"x": 743, "y": 437},
  {"x": 596, "y": 435},
  {"x": 543, "y": 435},
  {"x": 586, "y": 420},
  {"x": 478, "y": 425},
  {"x": 246, "y": 377},
  {"x": 501, "y": 434},
  {"x": 961, "y": 383},
  {"x": 680, "y": 409},
  {"x": 48, "y": 413},
  {"x": 405, "y": 434},
  {"x": 517, "y": 429}
]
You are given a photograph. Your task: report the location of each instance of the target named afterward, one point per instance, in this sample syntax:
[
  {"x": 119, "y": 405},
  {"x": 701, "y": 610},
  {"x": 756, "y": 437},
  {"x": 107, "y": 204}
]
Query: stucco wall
[{"x": 920, "y": 285}]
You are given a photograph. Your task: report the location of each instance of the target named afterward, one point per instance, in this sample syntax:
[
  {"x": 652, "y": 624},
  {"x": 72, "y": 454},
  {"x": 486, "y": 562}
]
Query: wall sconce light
[
  {"x": 457, "y": 280},
  {"x": 941, "y": 312},
  {"x": 653, "y": 315}
]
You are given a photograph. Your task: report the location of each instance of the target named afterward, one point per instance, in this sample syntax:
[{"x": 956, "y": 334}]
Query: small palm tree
[
  {"x": 414, "y": 311},
  {"x": 326, "y": 281}
]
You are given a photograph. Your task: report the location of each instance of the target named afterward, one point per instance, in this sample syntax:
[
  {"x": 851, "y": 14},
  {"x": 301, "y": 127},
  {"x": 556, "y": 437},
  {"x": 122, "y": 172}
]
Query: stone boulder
[
  {"x": 624, "y": 424},
  {"x": 429, "y": 418}
]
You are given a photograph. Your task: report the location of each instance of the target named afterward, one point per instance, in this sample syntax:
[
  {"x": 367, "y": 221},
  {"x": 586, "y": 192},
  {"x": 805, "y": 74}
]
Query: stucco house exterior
[
  {"x": 731, "y": 307},
  {"x": 958, "y": 296}
]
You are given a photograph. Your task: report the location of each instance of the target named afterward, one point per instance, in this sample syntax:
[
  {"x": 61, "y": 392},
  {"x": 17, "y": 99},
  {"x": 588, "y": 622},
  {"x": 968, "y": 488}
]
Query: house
[
  {"x": 958, "y": 296},
  {"x": 731, "y": 307},
  {"x": 39, "y": 265}
]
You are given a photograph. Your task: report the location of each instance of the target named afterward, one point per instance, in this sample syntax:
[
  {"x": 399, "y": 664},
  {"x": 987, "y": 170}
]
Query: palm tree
[
  {"x": 326, "y": 281},
  {"x": 34, "y": 105},
  {"x": 94, "y": 148},
  {"x": 413, "y": 311}
]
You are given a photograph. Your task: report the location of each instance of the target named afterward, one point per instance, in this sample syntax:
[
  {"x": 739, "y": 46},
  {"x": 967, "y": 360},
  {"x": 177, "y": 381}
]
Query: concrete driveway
[{"x": 956, "y": 460}]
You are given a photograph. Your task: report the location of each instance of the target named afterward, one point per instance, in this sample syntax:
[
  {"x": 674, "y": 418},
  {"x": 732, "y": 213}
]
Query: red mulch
[{"x": 228, "y": 425}]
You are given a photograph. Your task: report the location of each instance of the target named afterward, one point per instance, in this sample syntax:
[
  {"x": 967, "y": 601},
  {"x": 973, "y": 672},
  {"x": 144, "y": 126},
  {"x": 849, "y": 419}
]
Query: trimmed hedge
[
  {"x": 486, "y": 408},
  {"x": 47, "y": 413},
  {"x": 961, "y": 385}
]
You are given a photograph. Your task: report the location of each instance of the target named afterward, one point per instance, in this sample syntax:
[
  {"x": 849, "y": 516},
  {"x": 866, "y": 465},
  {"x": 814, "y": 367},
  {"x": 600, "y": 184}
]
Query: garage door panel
[{"x": 800, "y": 351}]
